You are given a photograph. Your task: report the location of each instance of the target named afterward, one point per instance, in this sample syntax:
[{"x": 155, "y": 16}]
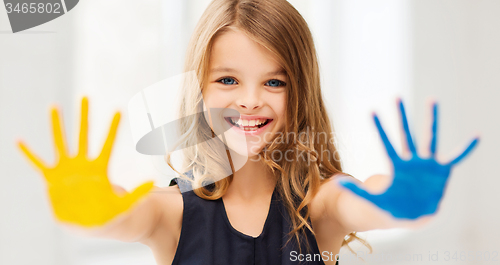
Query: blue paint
[{"x": 419, "y": 182}]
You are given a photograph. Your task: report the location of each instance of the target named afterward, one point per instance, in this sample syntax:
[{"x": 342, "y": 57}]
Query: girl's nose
[
  {"x": 250, "y": 107},
  {"x": 250, "y": 99}
]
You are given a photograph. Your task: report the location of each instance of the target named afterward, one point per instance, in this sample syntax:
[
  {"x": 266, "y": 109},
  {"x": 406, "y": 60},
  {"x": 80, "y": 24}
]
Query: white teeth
[
  {"x": 259, "y": 121},
  {"x": 248, "y": 123},
  {"x": 236, "y": 121}
]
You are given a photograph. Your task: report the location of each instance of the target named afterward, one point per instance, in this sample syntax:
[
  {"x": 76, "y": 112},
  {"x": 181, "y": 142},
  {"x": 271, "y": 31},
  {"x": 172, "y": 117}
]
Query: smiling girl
[{"x": 277, "y": 194}]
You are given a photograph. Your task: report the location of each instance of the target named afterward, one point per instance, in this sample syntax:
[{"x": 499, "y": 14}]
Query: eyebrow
[{"x": 227, "y": 69}]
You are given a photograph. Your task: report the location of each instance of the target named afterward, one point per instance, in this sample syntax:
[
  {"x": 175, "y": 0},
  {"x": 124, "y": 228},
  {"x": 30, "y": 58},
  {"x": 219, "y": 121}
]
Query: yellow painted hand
[{"x": 79, "y": 188}]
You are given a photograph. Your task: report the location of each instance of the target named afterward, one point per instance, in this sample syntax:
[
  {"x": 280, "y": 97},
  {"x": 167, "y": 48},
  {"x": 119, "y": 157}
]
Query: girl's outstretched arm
[
  {"x": 354, "y": 213},
  {"x": 408, "y": 198},
  {"x": 82, "y": 197}
]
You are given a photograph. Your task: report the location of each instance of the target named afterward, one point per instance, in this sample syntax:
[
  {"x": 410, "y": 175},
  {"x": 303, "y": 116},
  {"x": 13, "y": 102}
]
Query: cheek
[
  {"x": 278, "y": 103},
  {"x": 215, "y": 103},
  {"x": 216, "y": 98},
  {"x": 211, "y": 99}
]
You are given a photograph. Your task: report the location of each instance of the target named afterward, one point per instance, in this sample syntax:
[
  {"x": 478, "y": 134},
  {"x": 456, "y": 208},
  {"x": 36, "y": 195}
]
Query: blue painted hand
[{"x": 418, "y": 182}]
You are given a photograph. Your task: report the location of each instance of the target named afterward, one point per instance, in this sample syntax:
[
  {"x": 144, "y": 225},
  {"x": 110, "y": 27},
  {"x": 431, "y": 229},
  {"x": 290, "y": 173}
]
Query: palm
[
  {"x": 418, "y": 183},
  {"x": 79, "y": 188}
]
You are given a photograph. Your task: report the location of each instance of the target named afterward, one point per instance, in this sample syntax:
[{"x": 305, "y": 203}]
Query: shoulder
[
  {"x": 326, "y": 199},
  {"x": 169, "y": 203},
  {"x": 169, "y": 197}
]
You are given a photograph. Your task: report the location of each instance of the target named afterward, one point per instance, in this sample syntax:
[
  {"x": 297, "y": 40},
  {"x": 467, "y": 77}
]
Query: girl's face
[{"x": 249, "y": 85}]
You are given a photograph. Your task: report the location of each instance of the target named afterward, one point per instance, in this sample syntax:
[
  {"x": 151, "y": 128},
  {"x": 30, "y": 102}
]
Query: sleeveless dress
[{"x": 207, "y": 237}]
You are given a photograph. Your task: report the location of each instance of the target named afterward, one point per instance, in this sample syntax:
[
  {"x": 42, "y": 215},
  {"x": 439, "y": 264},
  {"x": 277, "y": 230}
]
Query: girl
[{"x": 285, "y": 199}]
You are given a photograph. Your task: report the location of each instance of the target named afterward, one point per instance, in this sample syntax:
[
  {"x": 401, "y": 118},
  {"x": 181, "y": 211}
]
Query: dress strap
[{"x": 185, "y": 185}]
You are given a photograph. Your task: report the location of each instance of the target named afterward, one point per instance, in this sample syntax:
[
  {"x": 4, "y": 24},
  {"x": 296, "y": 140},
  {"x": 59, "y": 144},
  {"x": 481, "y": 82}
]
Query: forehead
[{"x": 234, "y": 50}]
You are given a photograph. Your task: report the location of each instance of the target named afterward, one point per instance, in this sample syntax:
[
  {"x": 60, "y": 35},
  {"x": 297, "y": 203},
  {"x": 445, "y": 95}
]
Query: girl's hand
[
  {"x": 79, "y": 189},
  {"x": 419, "y": 182}
]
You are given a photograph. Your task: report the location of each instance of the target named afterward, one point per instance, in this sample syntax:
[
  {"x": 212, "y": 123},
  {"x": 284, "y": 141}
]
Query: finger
[
  {"x": 404, "y": 120},
  {"x": 82, "y": 142},
  {"x": 388, "y": 146},
  {"x": 357, "y": 190},
  {"x": 434, "y": 130},
  {"x": 140, "y": 192},
  {"x": 467, "y": 151},
  {"x": 58, "y": 133},
  {"x": 108, "y": 144},
  {"x": 32, "y": 157}
]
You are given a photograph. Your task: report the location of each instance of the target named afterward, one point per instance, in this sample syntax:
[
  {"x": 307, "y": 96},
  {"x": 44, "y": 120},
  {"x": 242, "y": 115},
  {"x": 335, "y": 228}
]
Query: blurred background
[{"x": 370, "y": 52}]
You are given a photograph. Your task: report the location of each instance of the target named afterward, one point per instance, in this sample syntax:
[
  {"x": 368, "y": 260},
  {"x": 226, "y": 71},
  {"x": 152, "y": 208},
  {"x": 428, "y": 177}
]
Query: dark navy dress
[{"x": 207, "y": 237}]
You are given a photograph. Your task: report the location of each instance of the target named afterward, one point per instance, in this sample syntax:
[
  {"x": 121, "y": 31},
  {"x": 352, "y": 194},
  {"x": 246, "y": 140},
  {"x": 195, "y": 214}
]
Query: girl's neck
[{"x": 254, "y": 179}]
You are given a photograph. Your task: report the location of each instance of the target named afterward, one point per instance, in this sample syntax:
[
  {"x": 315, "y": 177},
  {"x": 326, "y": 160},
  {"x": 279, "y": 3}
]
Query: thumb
[
  {"x": 354, "y": 188},
  {"x": 139, "y": 192}
]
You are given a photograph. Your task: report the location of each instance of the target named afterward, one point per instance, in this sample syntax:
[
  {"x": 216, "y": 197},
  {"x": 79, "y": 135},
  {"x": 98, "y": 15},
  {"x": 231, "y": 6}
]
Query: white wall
[
  {"x": 369, "y": 51},
  {"x": 456, "y": 59},
  {"x": 35, "y": 71},
  {"x": 40, "y": 67},
  {"x": 455, "y": 55}
]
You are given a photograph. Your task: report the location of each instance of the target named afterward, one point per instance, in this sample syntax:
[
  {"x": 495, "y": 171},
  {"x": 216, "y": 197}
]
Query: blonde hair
[{"x": 279, "y": 27}]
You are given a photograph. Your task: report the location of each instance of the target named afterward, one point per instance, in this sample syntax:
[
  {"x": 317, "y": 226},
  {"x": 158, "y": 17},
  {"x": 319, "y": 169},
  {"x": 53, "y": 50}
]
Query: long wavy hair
[{"x": 277, "y": 26}]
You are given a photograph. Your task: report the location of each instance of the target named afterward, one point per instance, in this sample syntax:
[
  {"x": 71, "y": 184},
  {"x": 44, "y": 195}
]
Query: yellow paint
[{"x": 78, "y": 187}]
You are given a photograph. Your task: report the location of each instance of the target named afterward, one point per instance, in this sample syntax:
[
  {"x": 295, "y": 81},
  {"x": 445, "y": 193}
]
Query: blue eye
[
  {"x": 275, "y": 83},
  {"x": 271, "y": 83},
  {"x": 229, "y": 80}
]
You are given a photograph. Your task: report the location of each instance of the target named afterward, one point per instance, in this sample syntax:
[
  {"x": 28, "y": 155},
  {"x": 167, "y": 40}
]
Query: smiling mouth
[{"x": 248, "y": 125}]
